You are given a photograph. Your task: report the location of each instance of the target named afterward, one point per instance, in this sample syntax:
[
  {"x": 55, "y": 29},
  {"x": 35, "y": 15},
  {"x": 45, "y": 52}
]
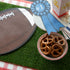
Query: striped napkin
[
  {"x": 9, "y": 66},
  {"x": 23, "y": 3}
]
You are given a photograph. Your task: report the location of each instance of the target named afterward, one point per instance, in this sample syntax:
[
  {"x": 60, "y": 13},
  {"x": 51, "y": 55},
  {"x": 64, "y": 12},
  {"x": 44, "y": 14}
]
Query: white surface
[
  {"x": 2, "y": 64},
  {"x": 19, "y": 68},
  {"x": 38, "y": 22},
  {"x": 29, "y": 69},
  {"x": 6, "y": 1},
  {"x": 10, "y": 66},
  {"x": 14, "y": 2}
]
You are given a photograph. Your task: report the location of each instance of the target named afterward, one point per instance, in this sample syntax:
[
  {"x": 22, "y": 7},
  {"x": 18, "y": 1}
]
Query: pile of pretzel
[{"x": 52, "y": 45}]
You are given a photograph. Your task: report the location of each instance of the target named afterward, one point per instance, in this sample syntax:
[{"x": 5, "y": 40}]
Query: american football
[{"x": 16, "y": 27}]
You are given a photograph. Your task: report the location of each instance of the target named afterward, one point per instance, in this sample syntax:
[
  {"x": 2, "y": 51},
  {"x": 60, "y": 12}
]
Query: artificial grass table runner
[{"x": 28, "y": 54}]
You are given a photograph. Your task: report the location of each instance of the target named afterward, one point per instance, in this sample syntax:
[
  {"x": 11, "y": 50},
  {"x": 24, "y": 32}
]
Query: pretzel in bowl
[
  {"x": 57, "y": 50},
  {"x": 47, "y": 39},
  {"x": 59, "y": 40},
  {"x": 52, "y": 45},
  {"x": 46, "y": 50}
]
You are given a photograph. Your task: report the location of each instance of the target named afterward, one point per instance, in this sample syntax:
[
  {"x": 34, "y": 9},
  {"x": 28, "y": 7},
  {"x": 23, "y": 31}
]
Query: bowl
[{"x": 65, "y": 49}]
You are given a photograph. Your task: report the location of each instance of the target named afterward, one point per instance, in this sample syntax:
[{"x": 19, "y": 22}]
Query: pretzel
[
  {"x": 43, "y": 45},
  {"x": 43, "y": 37},
  {"x": 56, "y": 39},
  {"x": 46, "y": 50},
  {"x": 57, "y": 50},
  {"x": 59, "y": 40},
  {"x": 48, "y": 40}
]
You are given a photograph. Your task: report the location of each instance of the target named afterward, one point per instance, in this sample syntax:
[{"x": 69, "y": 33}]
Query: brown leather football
[{"x": 16, "y": 27}]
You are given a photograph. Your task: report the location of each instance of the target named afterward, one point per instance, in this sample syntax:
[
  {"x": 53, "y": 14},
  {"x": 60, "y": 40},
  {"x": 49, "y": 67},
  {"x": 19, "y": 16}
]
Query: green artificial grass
[{"x": 29, "y": 56}]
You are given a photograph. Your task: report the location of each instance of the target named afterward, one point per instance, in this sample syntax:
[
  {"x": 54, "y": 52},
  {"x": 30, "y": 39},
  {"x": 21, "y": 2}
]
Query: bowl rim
[{"x": 49, "y": 58}]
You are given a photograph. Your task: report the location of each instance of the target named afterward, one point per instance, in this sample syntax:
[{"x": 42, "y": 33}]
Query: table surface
[{"x": 28, "y": 54}]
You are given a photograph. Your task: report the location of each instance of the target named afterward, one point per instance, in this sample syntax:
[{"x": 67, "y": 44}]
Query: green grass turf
[{"x": 28, "y": 54}]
